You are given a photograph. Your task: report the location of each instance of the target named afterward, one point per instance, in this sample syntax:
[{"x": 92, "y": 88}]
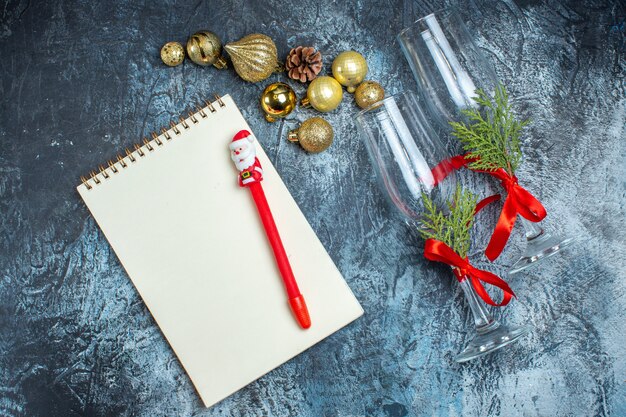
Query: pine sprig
[
  {"x": 492, "y": 135},
  {"x": 452, "y": 229}
]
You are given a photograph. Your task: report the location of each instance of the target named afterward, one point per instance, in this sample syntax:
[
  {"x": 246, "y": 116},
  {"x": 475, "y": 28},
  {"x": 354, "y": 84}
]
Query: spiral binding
[{"x": 140, "y": 150}]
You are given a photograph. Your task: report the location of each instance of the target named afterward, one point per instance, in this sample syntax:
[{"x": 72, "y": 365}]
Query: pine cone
[{"x": 303, "y": 63}]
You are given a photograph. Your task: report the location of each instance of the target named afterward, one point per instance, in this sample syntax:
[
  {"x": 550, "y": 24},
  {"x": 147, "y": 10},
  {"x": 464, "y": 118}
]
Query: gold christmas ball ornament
[
  {"x": 278, "y": 100},
  {"x": 314, "y": 135},
  {"x": 205, "y": 48},
  {"x": 172, "y": 54},
  {"x": 349, "y": 68},
  {"x": 254, "y": 57},
  {"x": 324, "y": 94},
  {"x": 368, "y": 93}
]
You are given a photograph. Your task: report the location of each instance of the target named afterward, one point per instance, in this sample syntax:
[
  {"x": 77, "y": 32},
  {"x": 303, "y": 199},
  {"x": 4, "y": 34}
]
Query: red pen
[{"x": 243, "y": 154}]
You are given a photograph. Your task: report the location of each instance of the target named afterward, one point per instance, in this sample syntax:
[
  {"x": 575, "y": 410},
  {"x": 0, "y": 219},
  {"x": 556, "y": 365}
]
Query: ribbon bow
[
  {"x": 518, "y": 201},
  {"x": 435, "y": 250}
]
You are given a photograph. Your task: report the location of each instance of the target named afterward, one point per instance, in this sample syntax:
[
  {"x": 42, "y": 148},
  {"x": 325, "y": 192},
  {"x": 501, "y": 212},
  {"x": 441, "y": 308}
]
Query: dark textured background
[{"x": 82, "y": 80}]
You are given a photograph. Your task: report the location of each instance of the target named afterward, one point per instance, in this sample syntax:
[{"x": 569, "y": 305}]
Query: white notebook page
[{"x": 191, "y": 241}]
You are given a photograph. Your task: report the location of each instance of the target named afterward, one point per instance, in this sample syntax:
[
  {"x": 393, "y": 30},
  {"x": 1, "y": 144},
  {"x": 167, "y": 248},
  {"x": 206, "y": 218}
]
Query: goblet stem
[
  {"x": 482, "y": 318},
  {"x": 490, "y": 334},
  {"x": 532, "y": 230}
]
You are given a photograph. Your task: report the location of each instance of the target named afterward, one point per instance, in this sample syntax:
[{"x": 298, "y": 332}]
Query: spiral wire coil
[{"x": 147, "y": 146}]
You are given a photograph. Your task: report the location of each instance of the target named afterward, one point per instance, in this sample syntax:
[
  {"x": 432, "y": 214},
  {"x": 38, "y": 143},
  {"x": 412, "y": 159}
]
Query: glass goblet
[
  {"x": 409, "y": 160},
  {"x": 448, "y": 68},
  {"x": 446, "y": 63}
]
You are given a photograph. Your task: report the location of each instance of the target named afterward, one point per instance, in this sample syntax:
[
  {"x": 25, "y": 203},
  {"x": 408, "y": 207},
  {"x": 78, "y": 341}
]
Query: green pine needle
[
  {"x": 453, "y": 229},
  {"x": 493, "y": 135}
]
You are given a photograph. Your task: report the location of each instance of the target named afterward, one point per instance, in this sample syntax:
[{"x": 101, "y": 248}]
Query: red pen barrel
[{"x": 296, "y": 300}]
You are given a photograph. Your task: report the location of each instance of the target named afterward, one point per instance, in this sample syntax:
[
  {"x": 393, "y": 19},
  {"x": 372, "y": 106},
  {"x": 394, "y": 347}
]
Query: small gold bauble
[
  {"x": 205, "y": 48},
  {"x": 172, "y": 54},
  {"x": 278, "y": 100},
  {"x": 314, "y": 135},
  {"x": 349, "y": 68},
  {"x": 368, "y": 93},
  {"x": 324, "y": 94},
  {"x": 254, "y": 57}
]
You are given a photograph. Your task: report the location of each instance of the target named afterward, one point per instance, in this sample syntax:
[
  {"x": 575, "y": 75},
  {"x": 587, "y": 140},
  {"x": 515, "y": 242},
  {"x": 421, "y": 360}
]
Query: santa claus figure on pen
[{"x": 243, "y": 154}]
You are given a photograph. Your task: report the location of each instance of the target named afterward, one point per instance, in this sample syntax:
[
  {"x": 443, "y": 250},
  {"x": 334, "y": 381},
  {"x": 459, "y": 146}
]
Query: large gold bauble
[
  {"x": 324, "y": 94},
  {"x": 368, "y": 93},
  {"x": 349, "y": 68},
  {"x": 278, "y": 100},
  {"x": 172, "y": 54},
  {"x": 254, "y": 57},
  {"x": 314, "y": 135},
  {"x": 205, "y": 48}
]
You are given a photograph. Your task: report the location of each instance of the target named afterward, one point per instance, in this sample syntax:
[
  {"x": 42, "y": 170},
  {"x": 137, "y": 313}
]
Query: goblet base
[
  {"x": 539, "y": 248},
  {"x": 491, "y": 338}
]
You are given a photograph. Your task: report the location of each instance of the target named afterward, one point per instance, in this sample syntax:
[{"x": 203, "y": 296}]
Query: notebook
[{"x": 193, "y": 245}]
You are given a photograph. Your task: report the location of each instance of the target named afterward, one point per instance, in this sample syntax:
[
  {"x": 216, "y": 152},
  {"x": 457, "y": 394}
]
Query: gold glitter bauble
[
  {"x": 172, "y": 54},
  {"x": 254, "y": 57},
  {"x": 349, "y": 68},
  {"x": 324, "y": 94},
  {"x": 368, "y": 93},
  {"x": 314, "y": 135},
  {"x": 278, "y": 100},
  {"x": 205, "y": 48}
]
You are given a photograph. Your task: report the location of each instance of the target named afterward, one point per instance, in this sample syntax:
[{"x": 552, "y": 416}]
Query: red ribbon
[
  {"x": 485, "y": 202},
  {"x": 447, "y": 166},
  {"x": 518, "y": 201},
  {"x": 438, "y": 251}
]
